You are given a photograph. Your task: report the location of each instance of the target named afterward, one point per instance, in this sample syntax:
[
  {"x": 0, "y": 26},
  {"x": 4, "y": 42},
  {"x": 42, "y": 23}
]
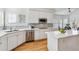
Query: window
[
  {"x": 1, "y": 18},
  {"x": 11, "y": 18}
]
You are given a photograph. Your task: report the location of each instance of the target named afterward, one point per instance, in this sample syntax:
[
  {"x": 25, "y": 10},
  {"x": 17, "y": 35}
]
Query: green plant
[{"x": 62, "y": 30}]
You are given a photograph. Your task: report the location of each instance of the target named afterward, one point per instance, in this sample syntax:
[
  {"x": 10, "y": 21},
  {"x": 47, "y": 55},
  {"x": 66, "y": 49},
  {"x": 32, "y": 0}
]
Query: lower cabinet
[
  {"x": 12, "y": 42},
  {"x": 21, "y": 37},
  {"x": 16, "y": 39},
  {"x": 40, "y": 34},
  {"x": 24, "y": 36},
  {"x": 3, "y": 44}
]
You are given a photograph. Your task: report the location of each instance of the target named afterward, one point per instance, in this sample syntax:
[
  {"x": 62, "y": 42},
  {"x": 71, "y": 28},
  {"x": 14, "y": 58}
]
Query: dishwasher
[{"x": 29, "y": 35}]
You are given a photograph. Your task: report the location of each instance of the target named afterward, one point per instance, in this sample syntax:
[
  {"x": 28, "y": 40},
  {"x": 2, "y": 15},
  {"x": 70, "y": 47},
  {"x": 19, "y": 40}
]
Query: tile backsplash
[{"x": 42, "y": 25}]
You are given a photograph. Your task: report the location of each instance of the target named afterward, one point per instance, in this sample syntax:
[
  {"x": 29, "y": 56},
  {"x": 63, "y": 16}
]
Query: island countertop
[
  {"x": 58, "y": 34},
  {"x": 68, "y": 41}
]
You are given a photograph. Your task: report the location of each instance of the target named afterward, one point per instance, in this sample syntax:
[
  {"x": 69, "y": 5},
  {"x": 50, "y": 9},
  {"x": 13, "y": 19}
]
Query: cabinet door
[
  {"x": 37, "y": 34},
  {"x": 12, "y": 42},
  {"x": 3, "y": 44},
  {"x": 21, "y": 37},
  {"x": 24, "y": 36},
  {"x": 40, "y": 34}
]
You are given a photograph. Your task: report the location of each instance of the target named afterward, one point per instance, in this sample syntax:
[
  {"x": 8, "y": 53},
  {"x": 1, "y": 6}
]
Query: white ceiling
[
  {"x": 63, "y": 11},
  {"x": 58, "y": 11}
]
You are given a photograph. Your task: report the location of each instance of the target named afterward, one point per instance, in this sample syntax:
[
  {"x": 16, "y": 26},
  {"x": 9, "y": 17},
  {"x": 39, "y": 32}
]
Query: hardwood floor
[{"x": 40, "y": 45}]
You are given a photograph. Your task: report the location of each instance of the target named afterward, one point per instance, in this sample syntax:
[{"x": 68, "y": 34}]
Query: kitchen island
[{"x": 68, "y": 41}]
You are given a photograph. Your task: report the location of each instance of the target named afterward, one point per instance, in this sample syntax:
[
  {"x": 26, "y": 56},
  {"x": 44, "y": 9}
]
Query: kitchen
[
  {"x": 17, "y": 26},
  {"x": 21, "y": 28}
]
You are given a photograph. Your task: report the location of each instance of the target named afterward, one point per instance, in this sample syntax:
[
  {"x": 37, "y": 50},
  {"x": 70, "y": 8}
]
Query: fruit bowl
[{"x": 62, "y": 30}]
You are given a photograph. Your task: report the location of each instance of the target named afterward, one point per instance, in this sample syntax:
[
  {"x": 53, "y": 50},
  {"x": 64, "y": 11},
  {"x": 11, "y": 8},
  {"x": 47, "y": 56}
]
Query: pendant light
[
  {"x": 69, "y": 11},
  {"x": 68, "y": 27}
]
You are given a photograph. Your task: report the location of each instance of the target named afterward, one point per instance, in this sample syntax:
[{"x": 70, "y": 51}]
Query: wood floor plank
[{"x": 33, "y": 46}]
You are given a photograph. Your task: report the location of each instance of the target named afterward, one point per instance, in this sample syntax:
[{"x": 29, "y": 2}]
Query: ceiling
[
  {"x": 63, "y": 11},
  {"x": 58, "y": 11}
]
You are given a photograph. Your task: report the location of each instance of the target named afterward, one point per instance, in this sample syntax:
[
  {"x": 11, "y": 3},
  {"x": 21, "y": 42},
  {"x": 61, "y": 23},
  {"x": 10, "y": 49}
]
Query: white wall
[
  {"x": 16, "y": 11},
  {"x": 35, "y": 14},
  {"x": 32, "y": 15}
]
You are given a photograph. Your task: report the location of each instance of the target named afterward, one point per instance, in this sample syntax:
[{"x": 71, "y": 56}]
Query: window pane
[
  {"x": 11, "y": 18},
  {"x": 1, "y": 18}
]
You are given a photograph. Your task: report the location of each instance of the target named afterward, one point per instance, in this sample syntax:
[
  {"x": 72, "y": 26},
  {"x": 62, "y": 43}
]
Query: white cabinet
[
  {"x": 37, "y": 35},
  {"x": 12, "y": 41},
  {"x": 16, "y": 39},
  {"x": 40, "y": 34},
  {"x": 3, "y": 44},
  {"x": 21, "y": 37},
  {"x": 24, "y": 36}
]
